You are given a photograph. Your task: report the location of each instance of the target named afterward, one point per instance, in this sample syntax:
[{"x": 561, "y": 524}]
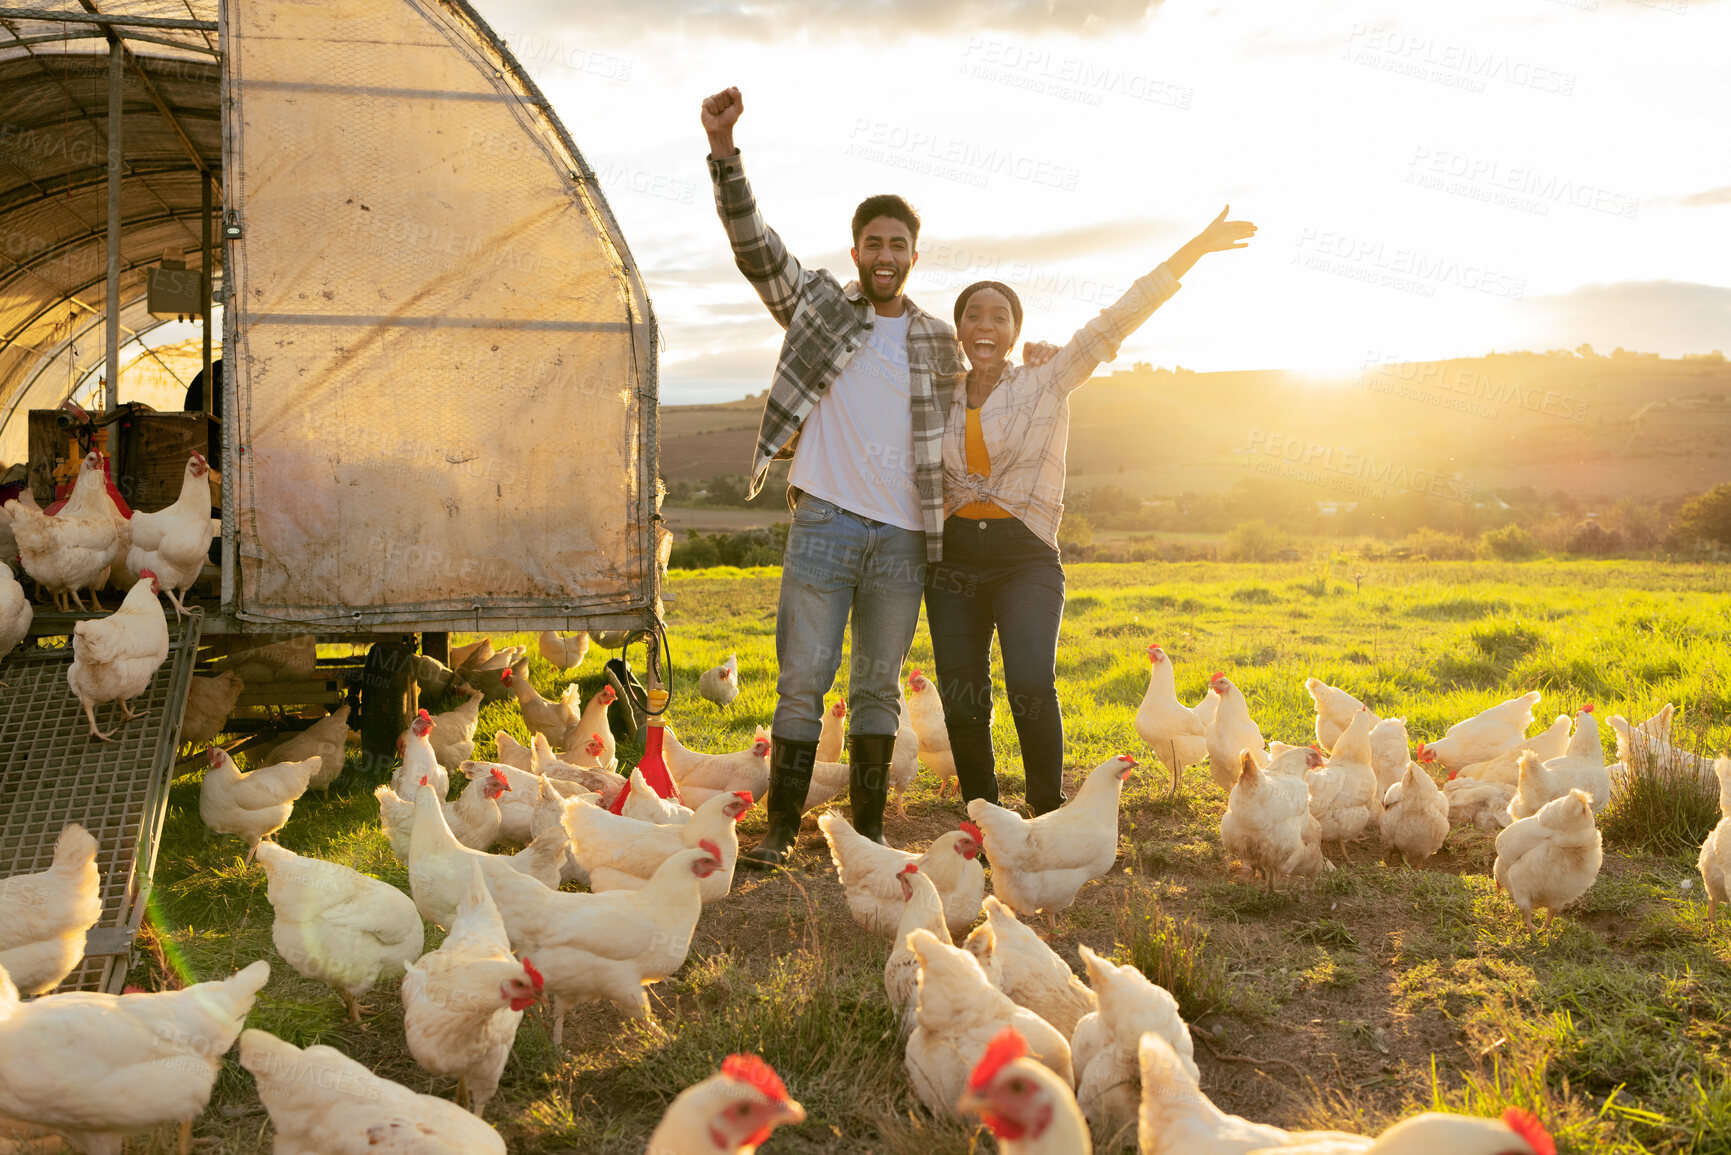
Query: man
[{"x": 861, "y": 387}]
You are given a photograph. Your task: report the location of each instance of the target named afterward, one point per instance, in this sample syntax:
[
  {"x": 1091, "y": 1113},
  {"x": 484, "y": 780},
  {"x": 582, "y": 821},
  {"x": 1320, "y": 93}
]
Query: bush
[
  {"x": 695, "y": 553},
  {"x": 1254, "y": 541},
  {"x": 1434, "y": 546},
  {"x": 1660, "y": 808},
  {"x": 1707, "y": 517},
  {"x": 1172, "y": 953},
  {"x": 1509, "y": 543},
  {"x": 1594, "y": 540},
  {"x": 1075, "y": 532}
]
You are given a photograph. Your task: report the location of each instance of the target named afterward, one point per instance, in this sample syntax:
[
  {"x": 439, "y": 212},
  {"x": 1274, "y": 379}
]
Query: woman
[{"x": 1004, "y": 467}]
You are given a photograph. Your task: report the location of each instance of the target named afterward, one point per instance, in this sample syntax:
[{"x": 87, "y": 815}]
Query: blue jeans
[
  {"x": 837, "y": 562},
  {"x": 998, "y": 576}
]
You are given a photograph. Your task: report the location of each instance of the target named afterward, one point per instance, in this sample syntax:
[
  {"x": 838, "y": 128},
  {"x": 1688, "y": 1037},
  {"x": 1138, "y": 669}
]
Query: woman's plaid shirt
[{"x": 826, "y": 324}]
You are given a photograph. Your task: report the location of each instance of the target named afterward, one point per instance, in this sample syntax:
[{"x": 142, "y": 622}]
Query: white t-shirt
[{"x": 856, "y": 447}]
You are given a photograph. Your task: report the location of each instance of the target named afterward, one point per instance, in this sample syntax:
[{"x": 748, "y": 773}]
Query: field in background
[{"x": 1346, "y": 1002}]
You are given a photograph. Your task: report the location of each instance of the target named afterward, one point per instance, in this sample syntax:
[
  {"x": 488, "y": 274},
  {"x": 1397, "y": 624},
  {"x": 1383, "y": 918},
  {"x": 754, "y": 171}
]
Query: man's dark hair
[{"x": 885, "y": 205}]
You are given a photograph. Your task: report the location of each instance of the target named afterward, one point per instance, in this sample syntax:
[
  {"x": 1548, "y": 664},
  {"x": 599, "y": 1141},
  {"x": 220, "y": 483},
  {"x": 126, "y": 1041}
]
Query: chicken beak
[
  {"x": 790, "y": 1114},
  {"x": 971, "y": 1104}
]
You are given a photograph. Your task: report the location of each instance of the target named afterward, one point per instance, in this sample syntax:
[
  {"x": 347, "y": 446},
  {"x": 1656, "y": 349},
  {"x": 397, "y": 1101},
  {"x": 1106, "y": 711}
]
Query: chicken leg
[
  {"x": 95, "y": 601},
  {"x": 349, "y": 1001},
  {"x": 183, "y": 1142},
  {"x": 1172, "y": 760},
  {"x": 76, "y": 600},
  {"x": 90, "y": 713}
]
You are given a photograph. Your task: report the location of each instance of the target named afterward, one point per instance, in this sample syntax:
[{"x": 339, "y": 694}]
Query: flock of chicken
[
  {"x": 84, "y": 544},
  {"x": 998, "y": 1026}
]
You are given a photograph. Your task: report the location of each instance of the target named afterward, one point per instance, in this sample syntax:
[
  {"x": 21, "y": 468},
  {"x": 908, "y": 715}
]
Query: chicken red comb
[
  {"x": 216, "y": 753},
  {"x": 422, "y": 713},
  {"x": 607, "y": 695},
  {"x": 840, "y": 708},
  {"x": 499, "y": 777},
  {"x": 505, "y": 676},
  {"x": 974, "y": 832},
  {"x": 709, "y": 847},
  {"x": 146, "y": 573},
  {"x": 1453, "y": 774},
  {"x": 1587, "y": 709},
  {"x": 910, "y": 868},
  {"x": 745, "y": 797},
  {"x": 534, "y": 975},
  {"x": 1006, "y": 1048},
  {"x": 1528, "y": 1127},
  {"x": 754, "y": 1072},
  {"x": 1424, "y": 754}
]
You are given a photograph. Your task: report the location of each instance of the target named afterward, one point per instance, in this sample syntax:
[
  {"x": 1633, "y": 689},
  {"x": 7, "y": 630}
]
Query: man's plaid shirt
[{"x": 826, "y": 323}]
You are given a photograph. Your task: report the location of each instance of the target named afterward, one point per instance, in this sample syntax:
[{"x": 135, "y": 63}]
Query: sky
[{"x": 1428, "y": 180}]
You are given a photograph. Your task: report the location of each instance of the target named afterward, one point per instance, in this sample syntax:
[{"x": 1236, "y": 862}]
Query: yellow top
[{"x": 980, "y": 463}]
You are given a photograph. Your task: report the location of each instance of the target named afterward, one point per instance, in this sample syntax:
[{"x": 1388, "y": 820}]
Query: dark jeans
[{"x": 997, "y": 575}]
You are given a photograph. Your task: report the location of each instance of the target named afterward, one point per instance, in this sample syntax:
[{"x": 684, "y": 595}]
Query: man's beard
[{"x": 869, "y": 286}]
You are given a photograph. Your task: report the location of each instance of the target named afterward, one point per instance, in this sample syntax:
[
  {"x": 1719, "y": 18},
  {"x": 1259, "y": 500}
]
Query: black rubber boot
[
  {"x": 868, "y": 781},
  {"x": 790, "y": 766}
]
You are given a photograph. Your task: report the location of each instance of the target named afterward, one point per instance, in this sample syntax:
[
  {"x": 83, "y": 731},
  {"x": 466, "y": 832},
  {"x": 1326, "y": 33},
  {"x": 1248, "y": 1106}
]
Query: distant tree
[
  {"x": 1254, "y": 541},
  {"x": 1075, "y": 532},
  {"x": 1585, "y": 352},
  {"x": 1594, "y": 540},
  {"x": 1707, "y": 517}
]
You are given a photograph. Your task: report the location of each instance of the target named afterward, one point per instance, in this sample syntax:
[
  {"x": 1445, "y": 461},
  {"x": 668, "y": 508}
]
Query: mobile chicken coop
[{"x": 438, "y": 394}]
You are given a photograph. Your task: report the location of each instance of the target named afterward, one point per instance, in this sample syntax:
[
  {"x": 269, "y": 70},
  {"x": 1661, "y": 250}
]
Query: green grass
[{"x": 1386, "y": 990}]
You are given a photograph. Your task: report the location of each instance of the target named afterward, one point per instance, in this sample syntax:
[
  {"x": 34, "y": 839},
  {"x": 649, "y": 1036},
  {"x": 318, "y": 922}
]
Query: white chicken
[
  {"x": 463, "y": 1002},
  {"x": 607, "y": 946},
  {"x": 1415, "y": 816},
  {"x": 1039, "y": 864},
  {"x": 453, "y": 733},
  {"x": 1714, "y": 862},
  {"x": 926, "y": 712},
  {"x": 1551, "y": 858},
  {"x": 512, "y": 752},
  {"x": 1389, "y": 752},
  {"x": 1028, "y": 970},
  {"x": 94, "y": 1068},
  {"x": 830, "y": 734},
  {"x": 175, "y": 542},
  {"x": 1486, "y": 734},
  {"x": 1343, "y": 793},
  {"x": 592, "y": 724},
  {"x": 474, "y": 818},
  {"x": 209, "y": 702},
  {"x": 645, "y": 805},
  {"x": 254, "y": 805},
  {"x": 326, "y": 740},
  {"x": 1335, "y": 709},
  {"x": 322, "y": 1102},
  {"x": 623, "y": 853},
  {"x": 549, "y": 719},
  {"x": 74, "y": 549},
  {"x": 701, "y": 777},
  {"x": 957, "y": 1014},
  {"x": 114, "y": 658},
  {"x": 720, "y": 684},
  {"x": 1475, "y": 803},
  {"x": 16, "y": 612},
  {"x": 1176, "y": 1118},
  {"x": 1025, "y": 1106},
  {"x": 904, "y": 758},
  {"x": 829, "y": 780},
  {"x": 1648, "y": 748},
  {"x": 1103, "y": 1047},
  {"x": 1231, "y": 733},
  {"x": 338, "y": 926},
  {"x": 419, "y": 761},
  {"x": 868, "y": 873},
  {"x": 1505, "y": 767},
  {"x": 731, "y": 1113},
  {"x": 439, "y": 864},
  {"x": 1582, "y": 766},
  {"x": 1268, "y": 823},
  {"x": 44, "y": 916},
  {"x": 584, "y": 769},
  {"x": 922, "y": 909},
  {"x": 564, "y": 651},
  {"x": 1178, "y": 734}
]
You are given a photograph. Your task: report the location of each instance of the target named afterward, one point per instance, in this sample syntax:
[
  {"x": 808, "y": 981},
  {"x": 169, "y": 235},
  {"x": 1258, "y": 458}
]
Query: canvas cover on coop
[{"x": 441, "y": 357}]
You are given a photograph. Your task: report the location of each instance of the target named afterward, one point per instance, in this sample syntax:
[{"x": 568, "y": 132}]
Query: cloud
[
  {"x": 768, "y": 20},
  {"x": 1666, "y": 317},
  {"x": 1712, "y": 196}
]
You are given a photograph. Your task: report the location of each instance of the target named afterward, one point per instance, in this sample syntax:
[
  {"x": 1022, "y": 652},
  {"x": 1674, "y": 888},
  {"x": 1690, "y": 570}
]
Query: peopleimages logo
[{"x": 1347, "y": 470}]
